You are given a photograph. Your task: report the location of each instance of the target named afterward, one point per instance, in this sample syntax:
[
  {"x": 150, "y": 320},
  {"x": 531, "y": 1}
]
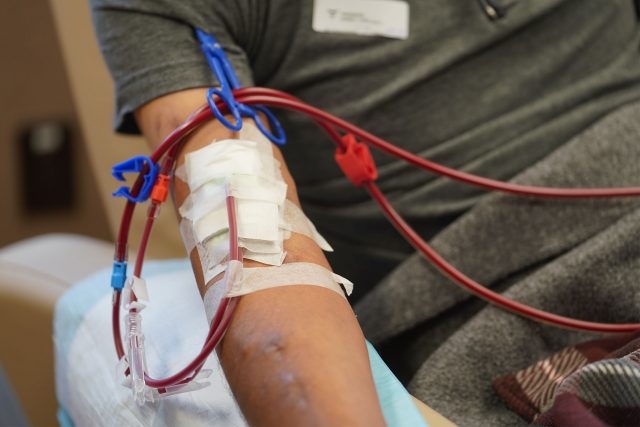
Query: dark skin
[{"x": 293, "y": 355}]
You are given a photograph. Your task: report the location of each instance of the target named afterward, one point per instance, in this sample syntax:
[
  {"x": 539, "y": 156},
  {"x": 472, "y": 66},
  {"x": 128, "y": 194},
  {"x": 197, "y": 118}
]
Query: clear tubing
[{"x": 221, "y": 318}]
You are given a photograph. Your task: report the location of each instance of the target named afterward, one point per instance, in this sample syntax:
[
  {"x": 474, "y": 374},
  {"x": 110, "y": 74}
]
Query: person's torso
[{"x": 490, "y": 96}]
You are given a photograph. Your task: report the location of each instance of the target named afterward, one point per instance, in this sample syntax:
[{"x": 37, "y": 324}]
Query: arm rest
[{"x": 33, "y": 274}]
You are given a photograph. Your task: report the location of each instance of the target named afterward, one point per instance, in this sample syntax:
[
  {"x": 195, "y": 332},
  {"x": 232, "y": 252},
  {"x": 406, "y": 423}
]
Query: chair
[{"x": 92, "y": 93}]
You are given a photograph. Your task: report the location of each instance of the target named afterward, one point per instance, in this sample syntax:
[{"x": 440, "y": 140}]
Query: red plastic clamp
[
  {"x": 356, "y": 161},
  {"x": 160, "y": 190}
]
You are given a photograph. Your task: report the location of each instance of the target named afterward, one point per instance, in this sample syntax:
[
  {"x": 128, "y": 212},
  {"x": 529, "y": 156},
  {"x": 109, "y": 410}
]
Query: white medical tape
[
  {"x": 181, "y": 173},
  {"x": 186, "y": 231},
  {"x": 255, "y": 166},
  {"x": 212, "y": 255},
  {"x": 265, "y": 251},
  {"x": 297, "y": 273},
  {"x": 243, "y": 281},
  {"x": 251, "y": 187},
  {"x": 217, "y": 247},
  {"x": 216, "y": 250},
  {"x": 210, "y": 261},
  {"x": 125, "y": 297},
  {"x": 133, "y": 285},
  {"x": 139, "y": 287},
  {"x": 185, "y": 209},
  {"x": 256, "y": 220},
  {"x": 263, "y": 246},
  {"x": 214, "y": 294},
  {"x": 294, "y": 220},
  {"x": 246, "y": 170},
  {"x": 251, "y": 132},
  {"x": 224, "y": 158},
  {"x": 210, "y": 274},
  {"x": 210, "y": 225},
  {"x": 210, "y": 196},
  {"x": 269, "y": 259}
]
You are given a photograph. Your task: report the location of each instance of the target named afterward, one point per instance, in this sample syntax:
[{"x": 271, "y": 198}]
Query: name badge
[{"x": 387, "y": 18}]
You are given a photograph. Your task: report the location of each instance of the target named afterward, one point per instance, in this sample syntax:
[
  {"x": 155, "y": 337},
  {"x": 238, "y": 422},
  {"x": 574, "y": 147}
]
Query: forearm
[{"x": 293, "y": 355}]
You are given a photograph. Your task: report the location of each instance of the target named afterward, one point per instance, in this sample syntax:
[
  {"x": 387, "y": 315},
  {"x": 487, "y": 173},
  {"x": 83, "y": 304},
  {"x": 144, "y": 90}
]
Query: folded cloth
[{"x": 592, "y": 384}]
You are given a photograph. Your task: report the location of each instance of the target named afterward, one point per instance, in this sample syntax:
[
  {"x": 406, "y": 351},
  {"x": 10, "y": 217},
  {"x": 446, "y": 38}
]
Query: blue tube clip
[
  {"x": 119, "y": 275},
  {"x": 228, "y": 80},
  {"x": 138, "y": 164}
]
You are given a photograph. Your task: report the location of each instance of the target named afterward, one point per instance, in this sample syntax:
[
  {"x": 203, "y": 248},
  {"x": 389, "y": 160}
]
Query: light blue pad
[{"x": 71, "y": 311}]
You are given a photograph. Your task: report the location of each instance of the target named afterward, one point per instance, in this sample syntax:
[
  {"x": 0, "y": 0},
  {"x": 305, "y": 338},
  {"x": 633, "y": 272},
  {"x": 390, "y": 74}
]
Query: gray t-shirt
[{"x": 488, "y": 96}]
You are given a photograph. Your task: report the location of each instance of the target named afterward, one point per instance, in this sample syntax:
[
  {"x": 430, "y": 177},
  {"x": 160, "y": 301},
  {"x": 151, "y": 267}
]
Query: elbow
[{"x": 263, "y": 360}]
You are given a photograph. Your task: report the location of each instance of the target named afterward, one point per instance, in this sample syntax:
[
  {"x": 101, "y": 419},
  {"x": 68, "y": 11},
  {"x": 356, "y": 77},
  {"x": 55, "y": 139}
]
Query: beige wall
[
  {"x": 92, "y": 92},
  {"x": 51, "y": 68},
  {"x": 34, "y": 86}
]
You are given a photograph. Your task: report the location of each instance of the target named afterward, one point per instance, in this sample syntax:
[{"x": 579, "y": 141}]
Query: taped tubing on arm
[{"x": 329, "y": 123}]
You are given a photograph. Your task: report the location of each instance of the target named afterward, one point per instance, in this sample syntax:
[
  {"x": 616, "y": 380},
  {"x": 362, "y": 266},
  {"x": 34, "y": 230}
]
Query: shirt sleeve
[{"x": 151, "y": 50}]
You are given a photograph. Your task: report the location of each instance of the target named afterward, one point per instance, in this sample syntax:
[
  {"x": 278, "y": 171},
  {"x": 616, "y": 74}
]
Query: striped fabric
[
  {"x": 613, "y": 382},
  {"x": 596, "y": 383},
  {"x": 540, "y": 381}
]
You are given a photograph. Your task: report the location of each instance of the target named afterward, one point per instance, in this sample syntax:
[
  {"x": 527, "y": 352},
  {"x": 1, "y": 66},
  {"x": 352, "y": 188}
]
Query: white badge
[{"x": 388, "y": 18}]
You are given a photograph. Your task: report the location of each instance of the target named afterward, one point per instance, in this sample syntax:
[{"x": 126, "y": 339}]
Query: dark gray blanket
[
  {"x": 489, "y": 96},
  {"x": 578, "y": 258}
]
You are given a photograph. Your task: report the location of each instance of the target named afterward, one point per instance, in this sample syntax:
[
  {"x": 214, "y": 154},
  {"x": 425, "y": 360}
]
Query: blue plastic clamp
[
  {"x": 138, "y": 164},
  {"x": 226, "y": 76},
  {"x": 228, "y": 80},
  {"x": 119, "y": 275}
]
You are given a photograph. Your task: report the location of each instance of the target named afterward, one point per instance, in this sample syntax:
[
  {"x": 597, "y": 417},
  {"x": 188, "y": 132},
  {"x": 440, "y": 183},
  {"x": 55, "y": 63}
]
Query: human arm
[{"x": 293, "y": 355}]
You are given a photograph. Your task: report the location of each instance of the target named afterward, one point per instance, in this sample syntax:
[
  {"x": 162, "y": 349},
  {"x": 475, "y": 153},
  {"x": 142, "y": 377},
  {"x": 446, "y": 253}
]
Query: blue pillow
[{"x": 397, "y": 405}]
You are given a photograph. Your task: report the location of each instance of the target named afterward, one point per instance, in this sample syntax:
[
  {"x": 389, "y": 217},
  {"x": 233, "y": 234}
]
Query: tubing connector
[
  {"x": 133, "y": 367},
  {"x": 185, "y": 387},
  {"x": 356, "y": 161},
  {"x": 160, "y": 190},
  {"x": 119, "y": 275},
  {"x": 136, "y": 356}
]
